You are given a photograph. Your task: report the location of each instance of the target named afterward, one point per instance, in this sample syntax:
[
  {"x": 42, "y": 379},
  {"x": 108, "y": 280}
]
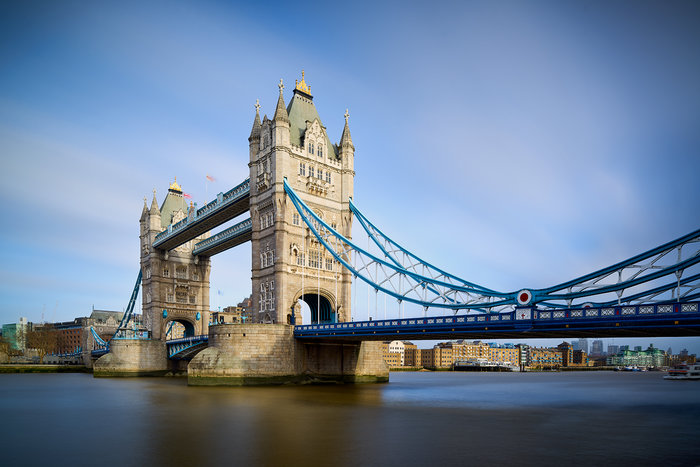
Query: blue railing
[
  {"x": 520, "y": 316},
  {"x": 175, "y": 346},
  {"x": 222, "y": 199}
]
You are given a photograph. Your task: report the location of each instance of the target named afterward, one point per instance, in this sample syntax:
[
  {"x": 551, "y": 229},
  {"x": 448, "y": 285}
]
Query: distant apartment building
[
  {"x": 400, "y": 353},
  {"x": 469, "y": 350},
  {"x": 545, "y": 358},
  {"x": 410, "y": 354},
  {"x": 506, "y": 354},
  {"x": 15, "y": 333},
  {"x": 651, "y": 357}
]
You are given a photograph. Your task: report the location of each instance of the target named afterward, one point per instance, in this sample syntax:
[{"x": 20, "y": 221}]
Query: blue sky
[{"x": 529, "y": 142}]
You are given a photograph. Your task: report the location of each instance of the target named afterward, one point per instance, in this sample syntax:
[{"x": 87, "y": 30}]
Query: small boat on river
[{"x": 684, "y": 372}]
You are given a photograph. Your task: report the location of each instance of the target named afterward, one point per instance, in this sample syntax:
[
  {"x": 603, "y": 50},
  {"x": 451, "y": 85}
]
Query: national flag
[
  {"x": 210, "y": 178},
  {"x": 187, "y": 196}
]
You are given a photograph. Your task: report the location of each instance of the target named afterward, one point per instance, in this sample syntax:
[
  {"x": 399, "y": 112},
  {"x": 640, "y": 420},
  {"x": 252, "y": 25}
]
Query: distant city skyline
[{"x": 513, "y": 144}]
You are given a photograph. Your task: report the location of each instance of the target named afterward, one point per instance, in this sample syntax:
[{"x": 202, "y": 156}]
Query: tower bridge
[{"x": 298, "y": 198}]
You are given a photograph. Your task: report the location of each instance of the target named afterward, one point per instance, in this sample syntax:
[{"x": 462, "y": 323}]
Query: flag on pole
[
  {"x": 187, "y": 196},
  {"x": 210, "y": 178}
]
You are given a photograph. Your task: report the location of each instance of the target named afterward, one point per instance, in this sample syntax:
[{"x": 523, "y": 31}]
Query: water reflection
[{"x": 417, "y": 419}]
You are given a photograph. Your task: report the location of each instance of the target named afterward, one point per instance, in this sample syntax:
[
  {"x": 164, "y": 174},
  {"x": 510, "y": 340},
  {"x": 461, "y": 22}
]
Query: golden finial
[
  {"x": 302, "y": 86},
  {"x": 174, "y": 186}
]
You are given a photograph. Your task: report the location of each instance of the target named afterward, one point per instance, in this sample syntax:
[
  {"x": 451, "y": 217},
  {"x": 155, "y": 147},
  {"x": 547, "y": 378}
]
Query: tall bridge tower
[
  {"x": 175, "y": 284},
  {"x": 288, "y": 263}
]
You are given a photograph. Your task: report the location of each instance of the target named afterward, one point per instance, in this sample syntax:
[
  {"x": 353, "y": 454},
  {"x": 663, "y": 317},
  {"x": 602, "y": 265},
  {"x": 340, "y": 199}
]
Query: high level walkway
[{"x": 225, "y": 207}]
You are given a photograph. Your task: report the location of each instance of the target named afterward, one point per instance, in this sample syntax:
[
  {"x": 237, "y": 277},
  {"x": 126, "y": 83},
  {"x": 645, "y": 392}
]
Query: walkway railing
[
  {"x": 234, "y": 231},
  {"x": 222, "y": 200}
]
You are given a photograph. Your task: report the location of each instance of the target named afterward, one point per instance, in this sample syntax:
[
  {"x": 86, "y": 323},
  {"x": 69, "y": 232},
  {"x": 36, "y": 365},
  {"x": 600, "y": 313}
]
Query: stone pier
[
  {"x": 257, "y": 354},
  {"x": 133, "y": 357}
]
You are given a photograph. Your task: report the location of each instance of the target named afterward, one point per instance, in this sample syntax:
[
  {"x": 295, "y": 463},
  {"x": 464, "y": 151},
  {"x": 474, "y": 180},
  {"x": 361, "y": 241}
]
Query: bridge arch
[
  {"x": 319, "y": 301},
  {"x": 178, "y": 327}
]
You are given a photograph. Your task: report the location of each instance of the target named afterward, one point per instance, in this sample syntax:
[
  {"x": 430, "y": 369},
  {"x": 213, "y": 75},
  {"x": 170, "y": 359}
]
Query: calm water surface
[{"x": 436, "y": 419}]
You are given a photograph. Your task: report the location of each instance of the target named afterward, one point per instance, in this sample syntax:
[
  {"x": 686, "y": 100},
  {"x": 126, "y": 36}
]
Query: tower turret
[
  {"x": 280, "y": 121},
  {"x": 154, "y": 221},
  {"x": 254, "y": 138}
]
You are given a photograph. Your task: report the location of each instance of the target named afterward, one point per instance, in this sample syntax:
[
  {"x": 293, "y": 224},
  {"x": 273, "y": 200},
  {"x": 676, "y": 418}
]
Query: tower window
[
  {"x": 320, "y": 151},
  {"x": 314, "y": 259},
  {"x": 166, "y": 272},
  {"x": 302, "y": 169},
  {"x": 328, "y": 176},
  {"x": 295, "y": 218},
  {"x": 320, "y": 174},
  {"x": 311, "y": 171},
  {"x": 311, "y": 148}
]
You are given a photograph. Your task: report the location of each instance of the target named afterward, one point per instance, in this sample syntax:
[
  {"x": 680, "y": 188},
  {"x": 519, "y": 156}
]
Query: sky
[{"x": 514, "y": 144}]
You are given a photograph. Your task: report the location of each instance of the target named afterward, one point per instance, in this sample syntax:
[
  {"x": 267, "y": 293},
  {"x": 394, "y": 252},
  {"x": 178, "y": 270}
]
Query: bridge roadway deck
[
  {"x": 225, "y": 207},
  {"x": 664, "y": 320}
]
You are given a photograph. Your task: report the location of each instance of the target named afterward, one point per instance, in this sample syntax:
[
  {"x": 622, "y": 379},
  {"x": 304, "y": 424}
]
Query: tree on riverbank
[{"x": 43, "y": 340}]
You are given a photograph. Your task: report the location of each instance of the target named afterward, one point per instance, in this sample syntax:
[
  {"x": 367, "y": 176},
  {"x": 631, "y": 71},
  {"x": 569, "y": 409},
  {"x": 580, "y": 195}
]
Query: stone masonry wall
[{"x": 129, "y": 357}]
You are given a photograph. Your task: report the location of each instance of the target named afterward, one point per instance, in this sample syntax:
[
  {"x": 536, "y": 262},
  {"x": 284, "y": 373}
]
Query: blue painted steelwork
[
  {"x": 478, "y": 298},
  {"x": 237, "y": 230},
  {"x": 184, "y": 347},
  {"x": 170, "y": 329},
  {"x": 76, "y": 353},
  {"x": 130, "y": 307},
  {"x": 430, "y": 286},
  {"x": 394, "y": 251},
  {"x": 101, "y": 346},
  {"x": 662, "y": 319},
  {"x": 202, "y": 214}
]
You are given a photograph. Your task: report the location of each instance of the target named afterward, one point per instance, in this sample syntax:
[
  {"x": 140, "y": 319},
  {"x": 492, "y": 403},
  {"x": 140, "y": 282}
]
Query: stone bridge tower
[
  {"x": 175, "y": 284},
  {"x": 288, "y": 263}
]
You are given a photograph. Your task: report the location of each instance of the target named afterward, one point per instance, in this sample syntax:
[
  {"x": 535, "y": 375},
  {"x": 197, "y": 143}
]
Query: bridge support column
[
  {"x": 258, "y": 354},
  {"x": 133, "y": 357}
]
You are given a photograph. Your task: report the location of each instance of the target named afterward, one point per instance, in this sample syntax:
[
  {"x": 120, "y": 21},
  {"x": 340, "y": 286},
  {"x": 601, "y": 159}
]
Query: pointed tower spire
[
  {"x": 144, "y": 211},
  {"x": 255, "y": 132},
  {"x": 281, "y": 111},
  {"x": 345, "y": 139},
  {"x": 154, "y": 204}
]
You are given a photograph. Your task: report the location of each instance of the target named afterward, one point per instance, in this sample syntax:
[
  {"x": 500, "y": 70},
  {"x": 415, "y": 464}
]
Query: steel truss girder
[
  {"x": 430, "y": 286},
  {"x": 393, "y": 276}
]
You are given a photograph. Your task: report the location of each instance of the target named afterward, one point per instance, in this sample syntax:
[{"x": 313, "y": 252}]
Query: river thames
[{"x": 442, "y": 418}]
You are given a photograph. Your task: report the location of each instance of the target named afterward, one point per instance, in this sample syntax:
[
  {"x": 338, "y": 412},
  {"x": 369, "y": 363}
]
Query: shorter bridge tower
[
  {"x": 175, "y": 284},
  {"x": 288, "y": 263}
]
